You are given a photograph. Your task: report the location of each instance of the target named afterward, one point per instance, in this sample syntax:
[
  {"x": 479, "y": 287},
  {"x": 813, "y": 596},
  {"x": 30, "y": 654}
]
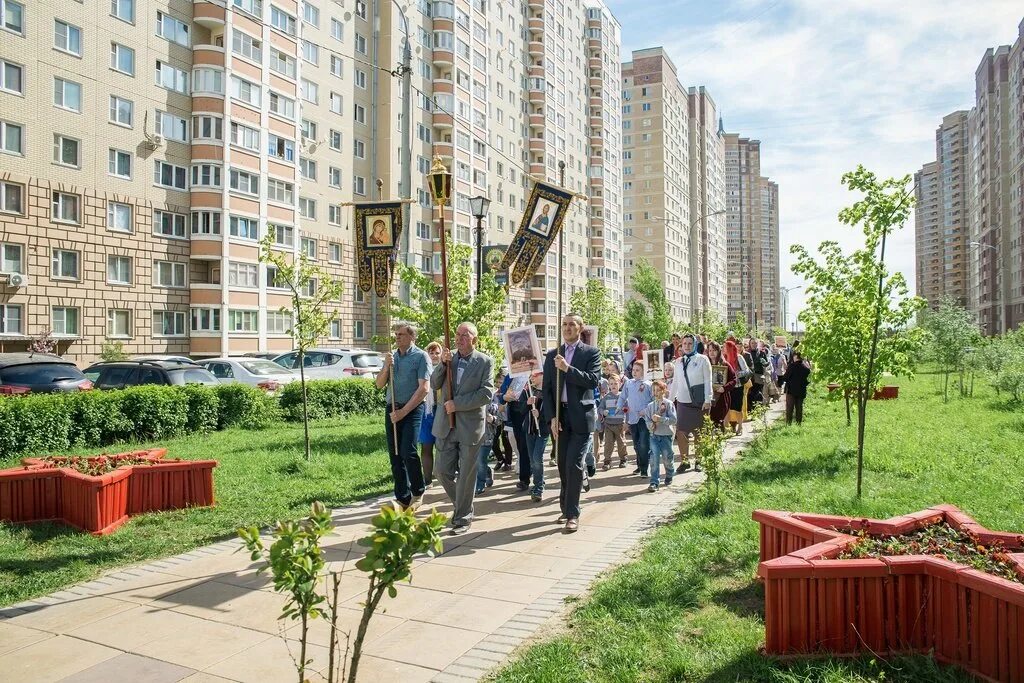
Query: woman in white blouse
[{"x": 692, "y": 393}]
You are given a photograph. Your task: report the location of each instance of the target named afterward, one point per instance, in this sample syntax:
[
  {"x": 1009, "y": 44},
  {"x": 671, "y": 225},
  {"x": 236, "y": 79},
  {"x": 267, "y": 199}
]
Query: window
[
  {"x": 243, "y": 274},
  {"x": 310, "y": 52},
  {"x": 171, "y": 78},
  {"x": 243, "y": 321},
  {"x": 169, "y": 175},
  {"x": 337, "y": 66},
  {"x": 67, "y": 94},
  {"x": 119, "y": 270},
  {"x": 280, "y": 191},
  {"x": 245, "y": 91},
  {"x": 336, "y": 102},
  {"x": 121, "y": 111},
  {"x": 119, "y": 163},
  {"x": 65, "y": 208},
  {"x": 11, "y": 197},
  {"x": 422, "y": 230},
  {"x": 12, "y": 77},
  {"x": 65, "y": 264},
  {"x": 245, "y": 228},
  {"x": 361, "y": 78},
  {"x": 167, "y": 224},
  {"x": 12, "y": 138},
  {"x": 282, "y": 63},
  {"x": 307, "y": 168},
  {"x": 208, "y": 81},
  {"x": 334, "y": 252},
  {"x": 206, "y": 175},
  {"x": 203, "y": 223},
  {"x": 244, "y": 136},
  {"x": 123, "y": 10},
  {"x": 282, "y": 106},
  {"x": 361, "y": 9},
  {"x": 168, "y": 274},
  {"x": 310, "y": 91},
  {"x": 12, "y": 16},
  {"x": 360, "y": 44},
  {"x": 280, "y": 148},
  {"x": 244, "y": 45},
  {"x": 279, "y": 322},
  {"x": 310, "y": 14},
  {"x": 11, "y": 258},
  {"x": 207, "y": 127},
  {"x": 335, "y": 140},
  {"x": 360, "y": 114},
  {"x": 205, "y": 319},
  {"x": 65, "y": 321},
  {"x": 310, "y": 288},
  {"x": 334, "y": 176},
  {"x": 119, "y": 322},
  {"x": 253, "y": 7},
  {"x": 307, "y": 208},
  {"x": 10, "y": 319},
  {"x": 335, "y": 332},
  {"x": 274, "y": 279},
  {"x": 307, "y": 246},
  {"x": 171, "y": 126},
  {"x": 337, "y": 30},
  {"x": 282, "y": 21},
  {"x": 67, "y": 38},
  {"x": 359, "y": 185},
  {"x": 168, "y": 324},
  {"x": 308, "y": 129},
  {"x": 122, "y": 59},
  {"x": 359, "y": 149},
  {"x": 247, "y": 183},
  {"x": 358, "y": 329},
  {"x": 170, "y": 28}
]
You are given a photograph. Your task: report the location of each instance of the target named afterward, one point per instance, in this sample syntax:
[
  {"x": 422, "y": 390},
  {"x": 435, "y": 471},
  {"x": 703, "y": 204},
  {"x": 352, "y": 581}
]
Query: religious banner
[
  {"x": 378, "y": 228},
  {"x": 492, "y": 257},
  {"x": 545, "y": 213}
]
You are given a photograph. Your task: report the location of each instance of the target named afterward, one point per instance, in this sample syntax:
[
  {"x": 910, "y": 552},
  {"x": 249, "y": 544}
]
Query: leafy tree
[
  {"x": 311, "y": 289},
  {"x": 113, "y": 351},
  {"x": 950, "y": 332},
  {"x": 739, "y": 326},
  {"x": 648, "y": 313},
  {"x": 594, "y": 303},
  {"x": 486, "y": 310},
  {"x": 852, "y": 298}
]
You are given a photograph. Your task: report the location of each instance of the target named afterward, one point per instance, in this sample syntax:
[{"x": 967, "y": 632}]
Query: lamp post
[
  {"x": 440, "y": 181},
  {"x": 478, "y": 206},
  {"x": 785, "y": 302},
  {"x": 996, "y": 326}
]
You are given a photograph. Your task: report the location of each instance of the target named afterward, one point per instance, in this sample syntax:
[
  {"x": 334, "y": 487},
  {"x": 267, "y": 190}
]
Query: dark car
[
  {"x": 131, "y": 373},
  {"x": 22, "y": 373}
]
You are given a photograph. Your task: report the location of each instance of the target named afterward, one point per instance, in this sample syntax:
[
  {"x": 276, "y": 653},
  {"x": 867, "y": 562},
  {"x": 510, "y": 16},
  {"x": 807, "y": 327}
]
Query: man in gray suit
[{"x": 458, "y": 446}]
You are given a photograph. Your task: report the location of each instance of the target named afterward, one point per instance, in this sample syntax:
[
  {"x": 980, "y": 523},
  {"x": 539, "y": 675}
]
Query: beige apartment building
[
  {"x": 752, "y": 232},
  {"x": 672, "y": 160},
  {"x": 940, "y": 215},
  {"x": 147, "y": 149}
]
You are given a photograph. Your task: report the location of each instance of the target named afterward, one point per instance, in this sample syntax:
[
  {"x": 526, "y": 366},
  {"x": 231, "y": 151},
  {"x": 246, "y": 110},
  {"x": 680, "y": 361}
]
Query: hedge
[
  {"x": 47, "y": 423},
  {"x": 332, "y": 397}
]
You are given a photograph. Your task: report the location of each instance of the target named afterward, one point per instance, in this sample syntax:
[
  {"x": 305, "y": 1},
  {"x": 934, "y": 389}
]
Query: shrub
[
  {"x": 203, "y": 408},
  {"x": 34, "y": 424},
  {"x": 332, "y": 397},
  {"x": 245, "y": 406},
  {"x": 97, "y": 418},
  {"x": 155, "y": 412}
]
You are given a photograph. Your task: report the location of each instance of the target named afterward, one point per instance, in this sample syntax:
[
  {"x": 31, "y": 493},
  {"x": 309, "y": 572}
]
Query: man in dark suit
[{"x": 576, "y": 370}]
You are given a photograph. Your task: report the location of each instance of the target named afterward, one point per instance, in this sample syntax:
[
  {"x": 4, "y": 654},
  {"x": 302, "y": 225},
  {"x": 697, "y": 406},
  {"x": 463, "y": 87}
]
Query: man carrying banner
[{"x": 571, "y": 373}]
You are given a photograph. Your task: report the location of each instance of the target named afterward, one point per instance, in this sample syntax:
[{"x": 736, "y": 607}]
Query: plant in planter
[{"x": 295, "y": 560}]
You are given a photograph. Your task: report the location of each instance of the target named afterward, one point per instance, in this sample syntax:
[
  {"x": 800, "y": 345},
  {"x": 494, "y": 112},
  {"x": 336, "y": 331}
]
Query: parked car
[
  {"x": 334, "y": 363},
  {"x": 179, "y": 359},
  {"x": 22, "y": 373},
  {"x": 255, "y": 372},
  {"x": 131, "y": 373},
  {"x": 265, "y": 355}
]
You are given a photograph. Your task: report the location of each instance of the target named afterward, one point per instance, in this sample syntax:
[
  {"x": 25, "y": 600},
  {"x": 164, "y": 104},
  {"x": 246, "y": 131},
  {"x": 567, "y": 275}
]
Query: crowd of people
[{"x": 461, "y": 412}]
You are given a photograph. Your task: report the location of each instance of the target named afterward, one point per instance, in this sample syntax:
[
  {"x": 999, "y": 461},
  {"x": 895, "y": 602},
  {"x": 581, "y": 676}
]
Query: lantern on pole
[{"x": 440, "y": 181}]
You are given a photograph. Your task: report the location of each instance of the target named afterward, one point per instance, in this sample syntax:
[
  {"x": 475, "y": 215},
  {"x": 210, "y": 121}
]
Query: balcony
[
  {"x": 442, "y": 120},
  {"x": 534, "y": 47},
  {"x": 536, "y": 120},
  {"x": 536, "y": 144},
  {"x": 208, "y": 15},
  {"x": 442, "y": 56},
  {"x": 537, "y": 169},
  {"x": 535, "y": 23},
  {"x": 445, "y": 149},
  {"x": 536, "y": 97}
]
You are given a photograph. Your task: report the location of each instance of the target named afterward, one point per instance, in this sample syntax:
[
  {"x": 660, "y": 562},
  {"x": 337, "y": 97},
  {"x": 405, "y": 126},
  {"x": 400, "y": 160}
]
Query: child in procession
[
  {"x": 614, "y": 422},
  {"x": 660, "y": 416}
]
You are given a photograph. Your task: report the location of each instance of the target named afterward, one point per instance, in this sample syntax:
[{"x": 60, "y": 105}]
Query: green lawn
[
  {"x": 689, "y": 609},
  {"x": 262, "y": 477}
]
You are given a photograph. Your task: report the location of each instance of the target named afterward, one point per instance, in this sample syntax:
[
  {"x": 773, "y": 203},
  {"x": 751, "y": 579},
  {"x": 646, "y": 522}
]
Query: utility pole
[{"x": 405, "y": 185}]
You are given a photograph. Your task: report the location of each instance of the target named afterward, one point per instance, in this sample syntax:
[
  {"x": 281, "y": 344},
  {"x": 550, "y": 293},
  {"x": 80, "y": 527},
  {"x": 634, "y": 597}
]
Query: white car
[
  {"x": 334, "y": 363},
  {"x": 164, "y": 357},
  {"x": 255, "y": 372}
]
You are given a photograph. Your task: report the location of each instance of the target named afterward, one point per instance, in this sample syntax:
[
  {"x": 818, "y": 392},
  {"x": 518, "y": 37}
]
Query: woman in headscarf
[
  {"x": 723, "y": 393},
  {"x": 737, "y": 414},
  {"x": 693, "y": 395}
]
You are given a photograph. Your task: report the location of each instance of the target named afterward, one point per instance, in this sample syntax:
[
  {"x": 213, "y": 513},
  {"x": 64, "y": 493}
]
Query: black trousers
[
  {"x": 517, "y": 421},
  {"x": 794, "y": 408},
  {"x": 572, "y": 450}
]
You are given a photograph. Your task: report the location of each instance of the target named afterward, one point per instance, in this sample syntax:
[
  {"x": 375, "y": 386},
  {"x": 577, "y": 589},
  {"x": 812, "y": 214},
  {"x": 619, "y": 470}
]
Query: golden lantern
[{"x": 440, "y": 180}]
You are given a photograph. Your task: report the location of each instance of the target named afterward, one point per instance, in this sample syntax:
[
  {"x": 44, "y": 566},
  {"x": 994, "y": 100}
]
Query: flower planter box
[
  {"x": 153, "y": 454},
  {"x": 98, "y": 505},
  {"x": 886, "y": 393},
  {"x": 30, "y": 494},
  {"x": 171, "y": 485},
  {"x": 815, "y": 603}
]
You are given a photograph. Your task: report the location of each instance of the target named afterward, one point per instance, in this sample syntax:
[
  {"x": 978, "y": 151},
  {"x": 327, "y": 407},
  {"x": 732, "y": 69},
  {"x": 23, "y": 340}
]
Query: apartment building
[
  {"x": 752, "y": 233},
  {"x": 1015, "y": 169},
  {"x": 940, "y": 215},
  {"x": 709, "y": 288},
  {"x": 146, "y": 150}
]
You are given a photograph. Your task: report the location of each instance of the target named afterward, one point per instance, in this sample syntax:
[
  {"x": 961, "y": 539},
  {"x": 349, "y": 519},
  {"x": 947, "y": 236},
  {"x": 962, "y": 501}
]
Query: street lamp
[
  {"x": 785, "y": 302},
  {"x": 478, "y": 207}
]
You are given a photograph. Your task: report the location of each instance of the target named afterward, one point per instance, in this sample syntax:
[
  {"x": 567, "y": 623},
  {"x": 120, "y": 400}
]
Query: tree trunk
[
  {"x": 302, "y": 648},
  {"x": 945, "y": 388},
  {"x": 305, "y": 406},
  {"x": 972, "y": 384},
  {"x": 335, "y": 581},
  {"x": 373, "y": 596},
  {"x": 847, "y": 396},
  {"x": 862, "y": 406}
]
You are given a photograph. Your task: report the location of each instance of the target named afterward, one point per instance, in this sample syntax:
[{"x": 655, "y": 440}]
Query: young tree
[
  {"x": 594, "y": 303},
  {"x": 648, "y": 313},
  {"x": 311, "y": 290},
  {"x": 739, "y": 325},
  {"x": 951, "y": 331},
  {"x": 851, "y": 299},
  {"x": 710, "y": 323},
  {"x": 486, "y": 310}
]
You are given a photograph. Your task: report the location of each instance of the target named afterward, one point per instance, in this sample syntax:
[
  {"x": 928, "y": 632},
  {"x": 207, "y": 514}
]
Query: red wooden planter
[
  {"x": 171, "y": 485},
  {"x": 153, "y": 454},
  {"x": 886, "y": 393},
  {"x": 98, "y": 505},
  {"x": 30, "y": 494},
  {"x": 907, "y": 604}
]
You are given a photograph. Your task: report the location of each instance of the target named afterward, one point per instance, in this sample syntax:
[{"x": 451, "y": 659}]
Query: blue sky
[{"x": 825, "y": 85}]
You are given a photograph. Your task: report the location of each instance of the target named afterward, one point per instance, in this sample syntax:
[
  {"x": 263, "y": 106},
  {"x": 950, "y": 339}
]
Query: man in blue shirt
[
  {"x": 411, "y": 368},
  {"x": 635, "y": 396}
]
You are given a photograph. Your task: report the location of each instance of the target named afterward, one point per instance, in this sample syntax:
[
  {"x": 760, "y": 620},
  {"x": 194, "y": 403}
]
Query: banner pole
[
  {"x": 561, "y": 291},
  {"x": 387, "y": 323}
]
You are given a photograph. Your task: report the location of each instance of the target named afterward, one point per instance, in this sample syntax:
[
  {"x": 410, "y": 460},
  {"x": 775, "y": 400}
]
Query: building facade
[
  {"x": 940, "y": 217},
  {"x": 752, "y": 235},
  {"x": 709, "y": 288},
  {"x": 167, "y": 138}
]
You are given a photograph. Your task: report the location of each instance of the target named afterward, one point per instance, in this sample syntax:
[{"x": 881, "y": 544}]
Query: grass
[
  {"x": 689, "y": 609},
  {"x": 262, "y": 477}
]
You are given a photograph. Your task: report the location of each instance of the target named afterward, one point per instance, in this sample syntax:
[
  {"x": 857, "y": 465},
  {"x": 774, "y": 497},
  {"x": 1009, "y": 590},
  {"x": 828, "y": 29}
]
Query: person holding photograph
[
  {"x": 635, "y": 396},
  {"x": 795, "y": 380},
  {"x": 512, "y": 395},
  {"x": 723, "y": 392},
  {"x": 659, "y": 416},
  {"x": 693, "y": 394},
  {"x": 737, "y": 414}
]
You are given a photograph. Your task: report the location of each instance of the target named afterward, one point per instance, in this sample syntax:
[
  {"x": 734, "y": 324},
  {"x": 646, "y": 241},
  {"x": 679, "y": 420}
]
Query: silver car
[
  {"x": 255, "y": 372},
  {"x": 334, "y": 363}
]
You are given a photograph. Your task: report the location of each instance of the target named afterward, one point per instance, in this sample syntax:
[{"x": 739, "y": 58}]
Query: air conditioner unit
[
  {"x": 156, "y": 140},
  {"x": 17, "y": 280}
]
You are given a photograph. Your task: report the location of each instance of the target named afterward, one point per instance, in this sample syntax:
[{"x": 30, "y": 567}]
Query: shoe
[
  {"x": 416, "y": 501},
  {"x": 480, "y": 490},
  {"x": 586, "y": 485},
  {"x": 552, "y": 462},
  {"x": 605, "y": 467},
  {"x": 652, "y": 488},
  {"x": 636, "y": 471},
  {"x": 622, "y": 465},
  {"x": 591, "y": 470},
  {"x": 561, "y": 519},
  {"x": 644, "y": 474},
  {"x": 535, "y": 497},
  {"x": 522, "y": 485},
  {"x": 572, "y": 526},
  {"x": 668, "y": 481},
  {"x": 683, "y": 467},
  {"x": 490, "y": 482},
  {"x": 459, "y": 530}
]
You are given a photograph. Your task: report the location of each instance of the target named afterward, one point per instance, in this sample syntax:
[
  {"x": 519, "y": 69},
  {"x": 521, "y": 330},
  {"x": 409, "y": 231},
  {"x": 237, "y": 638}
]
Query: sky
[{"x": 826, "y": 85}]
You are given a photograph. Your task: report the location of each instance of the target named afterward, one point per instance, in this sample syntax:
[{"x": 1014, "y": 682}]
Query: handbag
[{"x": 696, "y": 398}]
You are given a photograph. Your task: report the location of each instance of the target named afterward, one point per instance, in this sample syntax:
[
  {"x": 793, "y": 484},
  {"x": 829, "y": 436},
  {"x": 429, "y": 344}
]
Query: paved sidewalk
[{"x": 205, "y": 617}]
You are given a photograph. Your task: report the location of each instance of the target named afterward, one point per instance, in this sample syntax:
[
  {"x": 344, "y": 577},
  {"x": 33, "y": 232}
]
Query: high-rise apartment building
[
  {"x": 146, "y": 150},
  {"x": 1015, "y": 168},
  {"x": 672, "y": 155},
  {"x": 752, "y": 234},
  {"x": 940, "y": 215}
]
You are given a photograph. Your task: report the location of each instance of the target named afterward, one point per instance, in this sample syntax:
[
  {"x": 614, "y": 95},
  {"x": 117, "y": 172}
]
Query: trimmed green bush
[
  {"x": 156, "y": 412},
  {"x": 29, "y": 425},
  {"x": 245, "y": 406},
  {"x": 332, "y": 397},
  {"x": 97, "y": 418},
  {"x": 203, "y": 408}
]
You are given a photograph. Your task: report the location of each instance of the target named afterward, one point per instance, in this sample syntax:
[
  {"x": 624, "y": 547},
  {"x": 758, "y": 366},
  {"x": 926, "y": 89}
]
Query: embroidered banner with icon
[
  {"x": 378, "y": 229},
  {"x": 545, "y": 214}
]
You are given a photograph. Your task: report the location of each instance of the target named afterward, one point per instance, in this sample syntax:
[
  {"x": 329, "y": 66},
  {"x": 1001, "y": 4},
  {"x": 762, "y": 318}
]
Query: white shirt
[{"x": 698, "y": 369}]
